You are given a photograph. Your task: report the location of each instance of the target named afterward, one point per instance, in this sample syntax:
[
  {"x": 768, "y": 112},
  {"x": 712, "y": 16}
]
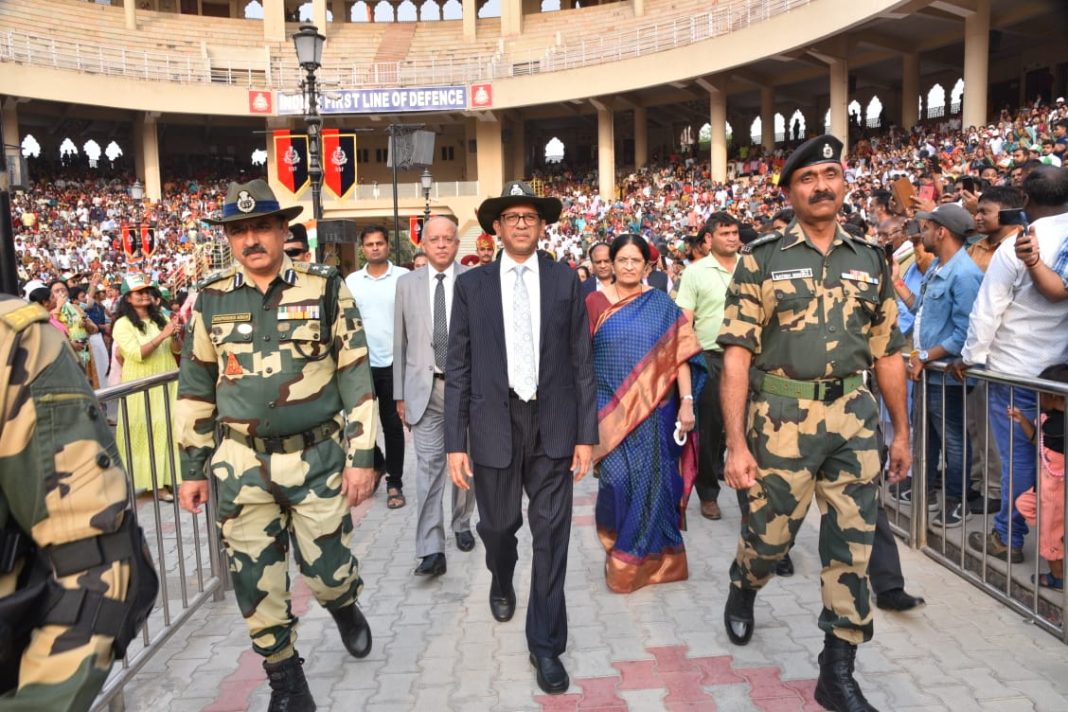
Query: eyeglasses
[
  {"x": 629, "y": 261},
  {"x": 294, "y": 252},
  {"x": 512, "y": 219}
]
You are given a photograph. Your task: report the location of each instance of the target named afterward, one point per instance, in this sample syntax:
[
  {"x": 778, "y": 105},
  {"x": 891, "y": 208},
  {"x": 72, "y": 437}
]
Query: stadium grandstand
[{"x": 124, "y": 121}]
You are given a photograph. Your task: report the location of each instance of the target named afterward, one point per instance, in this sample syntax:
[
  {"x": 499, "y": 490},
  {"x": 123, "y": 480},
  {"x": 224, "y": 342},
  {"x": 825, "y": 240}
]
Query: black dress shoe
[
  {"x": 552, "y": 677},
  {"x": 355, "y": 632},
  {"x": 502, "y": 607},
  {"x": 738, "y": 614},
  {"x": 896, "y": 599},
  {"x": 784, "y": 566},
  {"x": 465, "y": 541},
  {"x": 433, "y": 565}
]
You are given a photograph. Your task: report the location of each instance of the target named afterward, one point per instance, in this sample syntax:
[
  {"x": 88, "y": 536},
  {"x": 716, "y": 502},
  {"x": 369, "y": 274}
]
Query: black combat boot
[
  {"x": 289, "y": 689},
  {"x": 355, "y": 632},
  {"x": 738, "y": 614},
  {"x": 836, "y": 689}
]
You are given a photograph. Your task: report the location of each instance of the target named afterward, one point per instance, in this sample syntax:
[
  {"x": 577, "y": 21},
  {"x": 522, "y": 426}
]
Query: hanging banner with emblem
[
  {"x": 138, "y": 242},
  {"x": 291, "y": 160},
  {"x": 415, "y": 229},
  {"x": 339, "y": 162}
]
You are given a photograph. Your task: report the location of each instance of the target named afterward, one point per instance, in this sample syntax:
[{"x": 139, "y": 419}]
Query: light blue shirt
[
  {"x": 375, "y": 297},
  {"x": 946, "y": 298}
]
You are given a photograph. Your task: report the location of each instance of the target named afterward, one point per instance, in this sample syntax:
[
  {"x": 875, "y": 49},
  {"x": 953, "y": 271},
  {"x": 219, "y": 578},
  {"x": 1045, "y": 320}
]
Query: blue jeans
[
  {"x": 1022, "y": 464},
  {"x": 958, "y": 447}
]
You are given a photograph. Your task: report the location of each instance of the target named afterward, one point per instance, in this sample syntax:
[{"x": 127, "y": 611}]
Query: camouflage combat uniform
[
  {"x": 810, "y": 317},
  {"x": 278, "y": 371},
  {"x": 60, "y": 481}
]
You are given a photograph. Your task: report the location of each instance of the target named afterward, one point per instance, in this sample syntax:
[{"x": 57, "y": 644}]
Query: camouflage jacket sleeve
[
  {"x": 885, "y": 338},
  {"x": 76, "y": 491},
  {"x": 743, "y": 313},
  {"x": 195, "y": 408},
  {"x": 354, "y": 379}
]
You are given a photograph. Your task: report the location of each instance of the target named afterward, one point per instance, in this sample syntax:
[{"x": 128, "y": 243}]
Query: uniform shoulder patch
[
  {"x": 314, "y": 268},
  {"x": 766, "y": 239},
  {"x": 215, "y": 277},
  {"x": 866, "y": 241},
  {"x": 18, "y": 314}
]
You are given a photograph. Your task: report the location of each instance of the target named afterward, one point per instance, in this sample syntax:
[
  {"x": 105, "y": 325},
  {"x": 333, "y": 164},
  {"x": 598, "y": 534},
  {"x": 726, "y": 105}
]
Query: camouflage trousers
[
  {"x": 267, "y": 502},
  {"x": 806, "y": 447}
]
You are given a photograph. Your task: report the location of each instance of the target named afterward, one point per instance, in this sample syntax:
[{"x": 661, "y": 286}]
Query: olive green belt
[
  {"x": 285, "y": 444},
  {"x": 811, "y": 390}
]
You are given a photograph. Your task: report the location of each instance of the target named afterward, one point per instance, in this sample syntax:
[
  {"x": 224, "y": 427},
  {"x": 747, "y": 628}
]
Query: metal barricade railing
[
  {"x": 185, "y": 547},
  {"x": 1013, "y": 583}
]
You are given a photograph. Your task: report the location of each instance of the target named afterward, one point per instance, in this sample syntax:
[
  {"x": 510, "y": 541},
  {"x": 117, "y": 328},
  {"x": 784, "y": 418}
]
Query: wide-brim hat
[
  {"x": 517, "y": 193},
  {"x": 254, "y": 199}
]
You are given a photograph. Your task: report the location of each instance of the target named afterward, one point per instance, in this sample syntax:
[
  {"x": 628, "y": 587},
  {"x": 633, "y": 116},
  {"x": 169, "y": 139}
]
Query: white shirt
[
  {"x": 447, "y": 284},
  {"x": 532, "y": 280},
  {"x": 1013, "y": 329}
]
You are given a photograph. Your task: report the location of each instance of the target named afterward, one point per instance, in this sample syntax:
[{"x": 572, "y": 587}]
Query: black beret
[{"x": 822, "y": 149}]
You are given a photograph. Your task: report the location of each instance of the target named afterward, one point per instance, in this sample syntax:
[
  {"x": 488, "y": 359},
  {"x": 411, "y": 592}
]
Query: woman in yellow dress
[{"x": 147, "y": 342}]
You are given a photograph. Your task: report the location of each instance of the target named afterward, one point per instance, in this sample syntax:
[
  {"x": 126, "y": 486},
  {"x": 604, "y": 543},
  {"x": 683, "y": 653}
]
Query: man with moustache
[
  {"x": 519, "y": 379},
  {"x": 485, "y": 248},
  {"x": 811, "y": 311},
  {"x": 420, "y": 349},
  {"x": 276, "y": 356}
]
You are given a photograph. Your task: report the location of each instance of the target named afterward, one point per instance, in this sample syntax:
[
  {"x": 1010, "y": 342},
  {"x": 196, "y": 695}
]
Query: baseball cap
[{"x": 952, "y": 217}]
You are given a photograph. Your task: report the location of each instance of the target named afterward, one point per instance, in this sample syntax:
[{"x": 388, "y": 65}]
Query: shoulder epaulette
[
  {"x": 215, "y": 277},
  {"x": 770, "y": 237},
  {"x": 866, "y": 241},
  {"x": 315, "y": 268},
  {"x": 18, "y": 314}
]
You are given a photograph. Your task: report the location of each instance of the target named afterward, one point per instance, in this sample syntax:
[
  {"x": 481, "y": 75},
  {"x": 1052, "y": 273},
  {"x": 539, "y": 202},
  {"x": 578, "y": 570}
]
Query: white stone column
[
  {"x": 639, "y": 8},
  {"x": 839, "y": 78},
  {"x": 717, "y": 117},
  {"x": 490, "y": 158},
  {"x": 641, "y": 137},
  {"x": 129, "y": 11},
  {"x": 511, "y": 17},
  {"x": 910, "y": 90},
  {"x": 976, "y": 63},
  {"x": 147, "y": 158},
  {"x": 319, "y": 16},
  {"x": 470, "y": 19},
  {"x": 606, "y": 152},
  {"x": 767, "y": 118}
]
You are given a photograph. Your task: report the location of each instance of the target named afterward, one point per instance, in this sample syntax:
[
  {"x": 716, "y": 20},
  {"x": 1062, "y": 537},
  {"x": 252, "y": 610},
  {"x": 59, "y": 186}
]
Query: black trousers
[
  {"x": 713, "y": 443},
  {"x": 884, "y": 564},
  {"x": 392, "y": 427},
  {"x": 499, "y": 494}
]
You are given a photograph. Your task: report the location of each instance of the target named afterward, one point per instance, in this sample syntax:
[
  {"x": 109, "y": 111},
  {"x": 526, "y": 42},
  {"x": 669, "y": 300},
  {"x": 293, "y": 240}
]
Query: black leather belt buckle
[{"x": 272, "y": 445}]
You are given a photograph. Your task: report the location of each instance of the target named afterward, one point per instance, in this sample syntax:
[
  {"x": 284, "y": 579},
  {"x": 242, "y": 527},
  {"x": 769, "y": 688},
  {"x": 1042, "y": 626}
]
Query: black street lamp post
[
  {"x": 427, "y": 181},
  {"x": 309, "y": 45}
]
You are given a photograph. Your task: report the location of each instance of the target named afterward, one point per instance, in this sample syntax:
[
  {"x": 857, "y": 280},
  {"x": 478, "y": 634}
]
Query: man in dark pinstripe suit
[{"x": 519, "y": 380}]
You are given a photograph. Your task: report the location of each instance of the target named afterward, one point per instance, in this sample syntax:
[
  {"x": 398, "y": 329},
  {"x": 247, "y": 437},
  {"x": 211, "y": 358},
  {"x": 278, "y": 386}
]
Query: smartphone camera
[{"x": 1012, "y": 216}]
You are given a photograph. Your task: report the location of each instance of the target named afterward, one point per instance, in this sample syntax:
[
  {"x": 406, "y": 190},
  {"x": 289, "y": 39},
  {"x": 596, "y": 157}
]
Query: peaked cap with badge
[
  {"x": 254, "y": 199},
  {"x": 517, "y": 193},
  {"x": 822, "y": 149}
]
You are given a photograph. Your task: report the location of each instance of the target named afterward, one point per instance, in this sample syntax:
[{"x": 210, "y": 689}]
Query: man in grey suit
[{"x": 420, "y": 347}]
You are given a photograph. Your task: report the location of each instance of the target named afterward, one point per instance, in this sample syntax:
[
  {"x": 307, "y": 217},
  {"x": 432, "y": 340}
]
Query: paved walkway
[{"x": 436, "y": 646}]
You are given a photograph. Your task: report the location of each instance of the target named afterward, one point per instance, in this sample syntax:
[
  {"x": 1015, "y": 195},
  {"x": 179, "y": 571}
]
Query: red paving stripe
[
  {"x": 237, "y": 687},
  {"x": 582, "y": 520}
]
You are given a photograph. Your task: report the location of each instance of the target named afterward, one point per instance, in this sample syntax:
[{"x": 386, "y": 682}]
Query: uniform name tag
[
  {"x": 298, "y": 312},
  {"x": 230, "y": 318},
  {"x": 804, "y": 273},
  {"x": 854, "y": 275}
]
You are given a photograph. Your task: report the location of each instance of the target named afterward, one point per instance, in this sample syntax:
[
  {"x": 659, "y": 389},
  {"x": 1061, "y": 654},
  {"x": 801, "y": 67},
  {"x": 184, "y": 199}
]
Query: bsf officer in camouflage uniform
[
  {"x": 69, "y": 565},
  {"x": 808, "y": 313},
  {"x": 276, "y": 357}
]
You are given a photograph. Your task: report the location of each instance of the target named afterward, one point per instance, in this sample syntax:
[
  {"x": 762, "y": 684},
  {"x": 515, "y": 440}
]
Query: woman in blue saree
[{"x": 644, "y": 353}]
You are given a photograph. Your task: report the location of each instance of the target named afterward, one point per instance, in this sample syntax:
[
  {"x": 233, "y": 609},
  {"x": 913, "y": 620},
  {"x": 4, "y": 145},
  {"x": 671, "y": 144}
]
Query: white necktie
[{"x": 525, "y": 378}]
